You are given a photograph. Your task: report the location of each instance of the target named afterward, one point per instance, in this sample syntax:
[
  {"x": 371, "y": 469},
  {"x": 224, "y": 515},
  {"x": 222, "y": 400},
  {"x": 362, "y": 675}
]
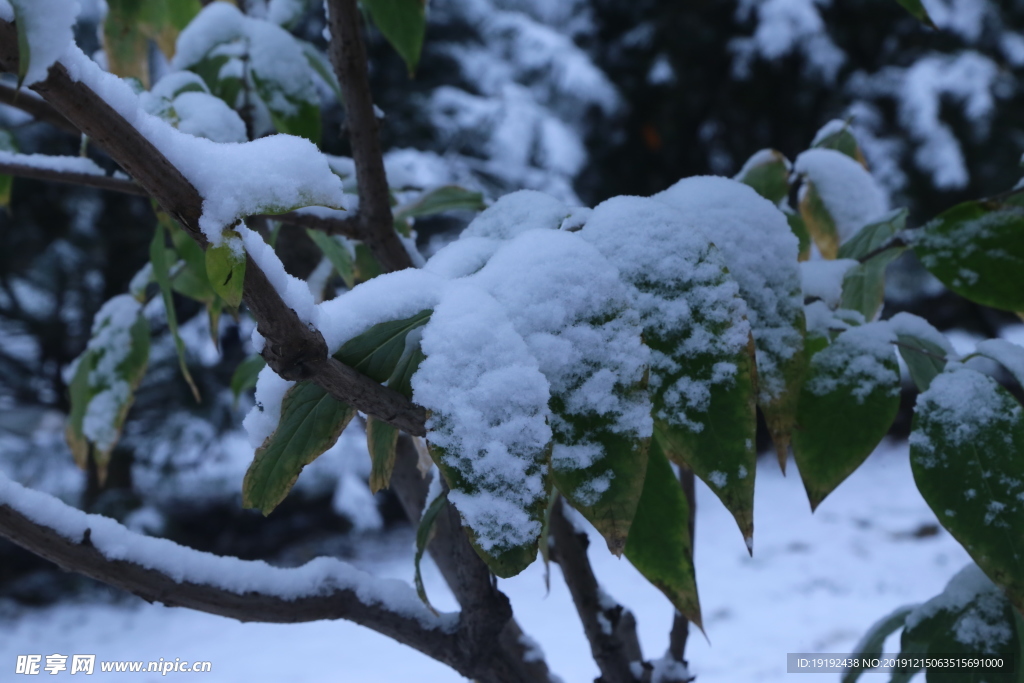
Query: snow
[
  {"x": 906, "y": 324},
  {"x": 815, "y": 585},
  {"x": 318, "y": 577},
  {"x": 784, "y": 27},
  {"x": 48, "y": 26},
  {"x": 1007, "y": 354},
  {"x": 861, "y": 356},
  {"x": 964, "y": 403},
  {"x": 274, "y": 173},
  {"x": 49, "y": 162},
  {"x": 293, "y": 291},
  {"x": 262, "y": 420},
  {"x": 831, "y": 128},
  {"x": 518, "y": 212},
  {"x": 824, "y": 279},
  {"x": 983, "y": 624},
  {"x": 761, "y": 252},
  {"x": 850, "y": 194},
  {"x": 208, "y": 117}
]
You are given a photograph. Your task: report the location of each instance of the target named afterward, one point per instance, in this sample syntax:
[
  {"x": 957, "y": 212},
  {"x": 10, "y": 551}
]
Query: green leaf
[
  {"x": 847, "y": 405},
  {"x": 244, "y": 377},
  {"x": 967, "y": 453},
  {"x": 225, "y": 268},
  {"x": 977, "y": 250},
  {"x": 819, "y": 221},
  {"x": 545, "y": 538},
  {"x": 924, "y": 358},
  {"x": 803, "y": 236},
  {"x": 917, "y": 11},
  {"x": 659, "y": 544},
  {"x": 439, "y": 200},
  {"x": 7, "y": 144},
  {"x": 424, "y": 532},
  {"x": 288, "y": 114},
  {"x": 24, "y": 47},
  {"x": 130, "y": 25},
  {"x": 872, "y": 642},
  {"x": 367, "y": 266},
  {"x": 864, "y": 284},
  {"x": 80, "y": 394},
  {"x": 381, "y": 441},
  {"x": 337, "y": 253},
  {"x": 768, "y": 173},
  {"x": 843, "y": 141},
  {"x": 403, "y": 23},
  {"x": 970, "y": 618},
  {"x": 311, "y": 422},
  {"x": 161, "y": 267},
  {"x": 377, "y": 352},
  {"x": 320, "y": 64}
]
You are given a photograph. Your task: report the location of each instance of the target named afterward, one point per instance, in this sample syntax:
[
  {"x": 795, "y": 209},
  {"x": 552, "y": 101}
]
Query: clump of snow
[
  {"x": 760, "y": 251},
  {"x": 197, "y": 113},
  {"x": 489, "y": 414},
  {"x": 516, "y": 213},
  {"x": 983, "y": 610},
  {"x": 907, "y": 324},
  {"x": 293, "y": 291},
  {"x": 48, "y": 26},
  {"x": 690, "y": 308},
  {"x": 824, "y": 279},
  {"x": 274, "y": 173},
  {"x": 863, "y": 357},
  {"x": 964, "y": 403},
  {"x": 850, "y": 194},
  {"x": 462, "y": 257},
  {"x": 262, "y": 420}
]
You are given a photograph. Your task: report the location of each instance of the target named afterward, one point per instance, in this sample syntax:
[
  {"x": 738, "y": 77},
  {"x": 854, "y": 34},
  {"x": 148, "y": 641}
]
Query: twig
[
  {"x": 614, "y": 648},
  {"x": 34, "y": 106},
  {"x": 894, "y": 243},
  {"x": 87, "y": 179}
]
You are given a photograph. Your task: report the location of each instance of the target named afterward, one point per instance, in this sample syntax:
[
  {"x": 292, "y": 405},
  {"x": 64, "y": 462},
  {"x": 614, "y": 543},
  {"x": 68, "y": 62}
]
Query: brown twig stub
[
  {"x": 347, "y": 52},
  {"x": 613, "y": 640}
]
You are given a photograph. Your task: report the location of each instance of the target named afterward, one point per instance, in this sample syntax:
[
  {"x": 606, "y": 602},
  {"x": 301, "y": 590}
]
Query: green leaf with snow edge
[
  {"x": 970, "y": 618},
  {"x": 768, "y": 173},
  {"x": 819, "y": 221},
  {"x": 441, "y": 199},
  {"x": 864, "y": 284},
  {"x": 337, "y": 253},
  {"x": 403, "y": 23},
  {"x": 161, "y": 272},
  {"x": 376, "y": 353},
  {"x": 311, "y": 422},
  {"x": 225, "y": 268},
  {"x": 843, "y": 141},
  {"x": 659, "y": 544},
  {"x": 925, "y": 360},
  {"x": 977, "y": 250},
  {"x": 780, "y": 409},
  {"x": 872, "y": 642},
  {"x": 848, "y": 402},
  {"x": 967, "y": 455}
]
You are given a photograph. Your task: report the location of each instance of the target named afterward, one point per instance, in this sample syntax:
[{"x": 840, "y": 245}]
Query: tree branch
[
  {"x": 610, "y": 628},
  {"x": 35, "y": 107},
  {"x": 348, "y": 56},
  {"x": 294, "y": 350},
  {"x": 87, "y": 179}
]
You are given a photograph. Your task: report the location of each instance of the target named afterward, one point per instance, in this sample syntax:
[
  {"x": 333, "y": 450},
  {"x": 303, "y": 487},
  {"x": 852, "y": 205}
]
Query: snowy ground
[{"x": 815, "y": 584}]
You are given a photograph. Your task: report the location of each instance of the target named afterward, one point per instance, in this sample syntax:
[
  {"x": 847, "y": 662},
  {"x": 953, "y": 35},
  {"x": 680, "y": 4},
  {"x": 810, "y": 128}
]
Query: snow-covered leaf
[
  {"x": 977, "y": 250},
  {"x": 403, "y": 23},
  {"x": 225, "y": 268},
  {"x": 659, "y": 544},
  {"x": 864, "y": 284},
  {"x": 45, "y": 31},
  {"x": 871, "y": 643},
  {"x": 702, "y": 354},
  {"x": 768, "y": 173},
  {"x": 967, "y": 455},
  {"x": 970, "y": 618},
  {"x": 103, "y": 387},
  {"x": 158, "y": 256},
  {"x": 441, "y": 199},
  {"x": 311, "y": 422},
  {"x": 337, "y": 253},
  {"x": 803, "y": 235},
  {"x": 376, "y": 353},
  {"x": 244, "y": 376},
  {"x": 924, "y": 349},
  {"x": 290, "y": 115},
  {"x": 381, "y": 441},
  {"x": 837, "y": 135},
  {"x": 848, "y": 402},
  {"x": 1007, "y": 354}
]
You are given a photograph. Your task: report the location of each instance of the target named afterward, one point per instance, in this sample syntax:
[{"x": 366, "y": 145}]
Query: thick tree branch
[
  {"x": 348, "y": 56},
  {"x": 294, "y": 350},
  {"x": 87, "y": 179},
  {"x": 35, "y": 107},
  {"x": 610, "y": 629}
]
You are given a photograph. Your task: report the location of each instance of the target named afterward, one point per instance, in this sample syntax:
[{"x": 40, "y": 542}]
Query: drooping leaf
[
  {"x": 423, "y": 535},
  {"x": 659, "y": 544},
  {"x": 79, "y": 393},
  {"x": 225, "y": 268},
  {"x": 819, "y": 221},
  {"x": 441, "y": 199},
  {"x": 161, "y": 271},
  {"x": 917, "y": 10},
  {"x": 381, "y": 441},
  {"x": 848, "y": 403},
  {"x": 864, "y": 284},
  {"x": 311, "y": 422},
  {"x": 966, "y": 451},
  {"x": 768, "y": 173},
  {"x": 337, "y": 253},
  {"x": 871, "y": 643},
  {"x": 971, "y": 618},
  {"x": 403, "y": 23},
  {"x": 376, "y": 352},
  {"x": 977, "y": 250},
  {"x": 244, "y": 377}
]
